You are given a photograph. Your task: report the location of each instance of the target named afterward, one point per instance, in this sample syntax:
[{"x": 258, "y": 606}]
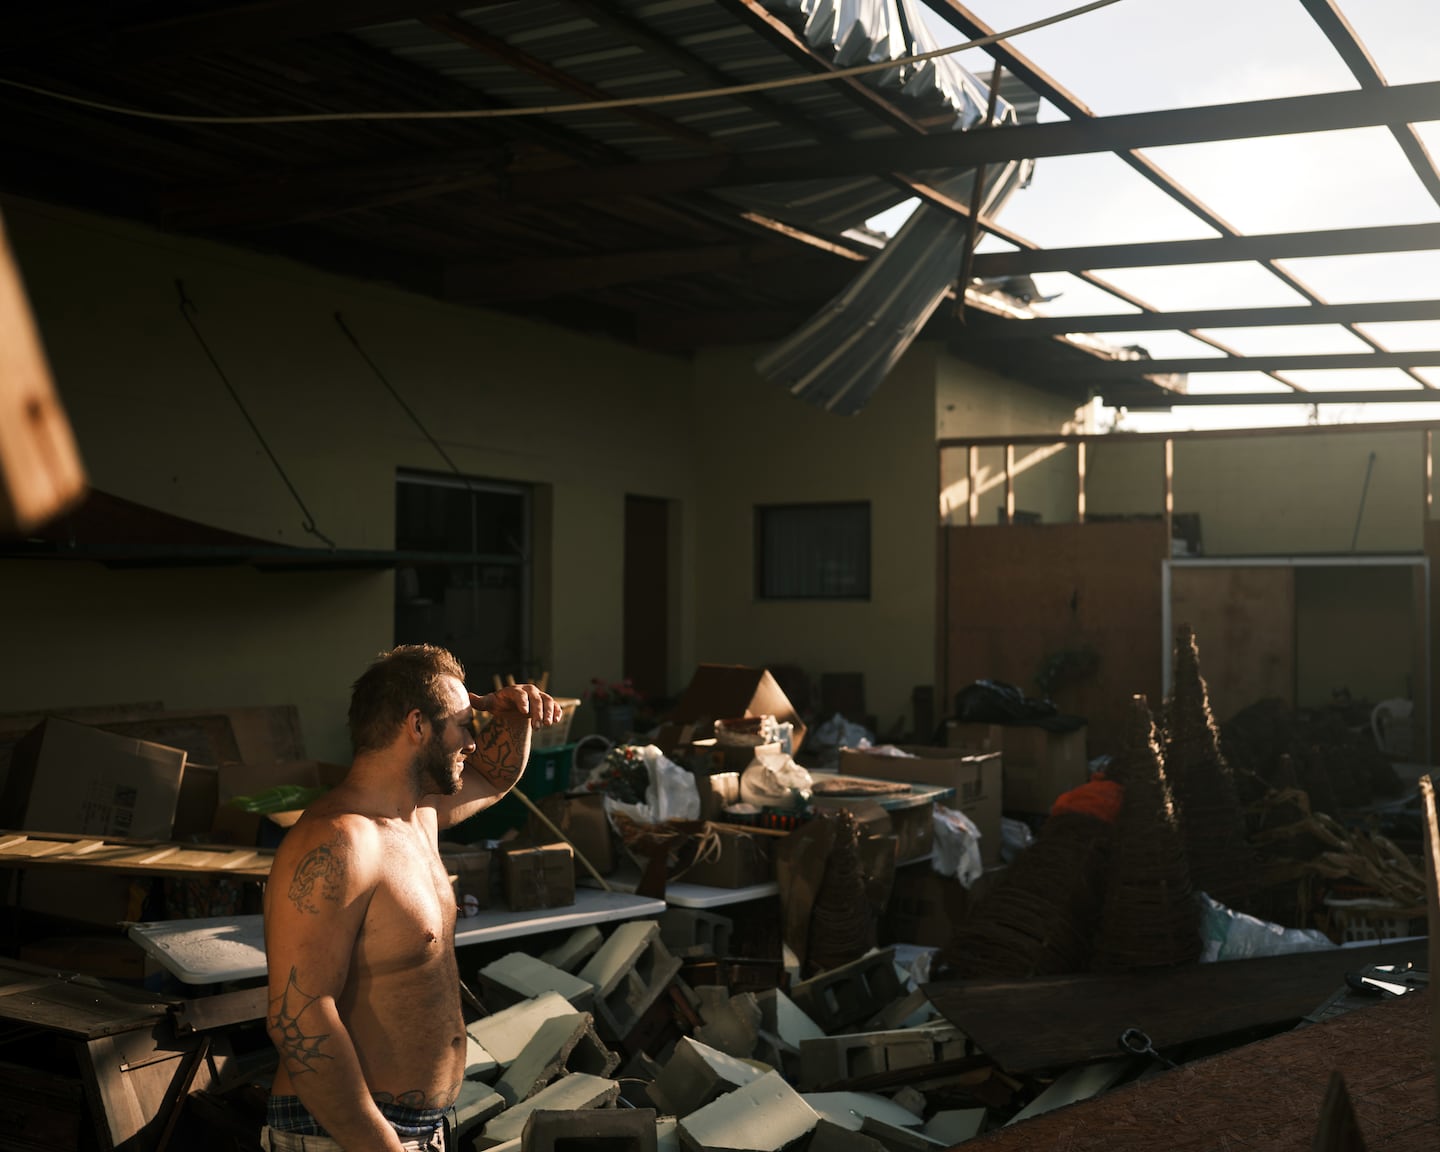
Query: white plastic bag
[
  {"x": 957, "y": 846},
  {"x": 837, "y": 732},
  {"x": 671, "y": 793},
  {"x": 773, "y": 780},
  {"x": 1231, "y": 935}
]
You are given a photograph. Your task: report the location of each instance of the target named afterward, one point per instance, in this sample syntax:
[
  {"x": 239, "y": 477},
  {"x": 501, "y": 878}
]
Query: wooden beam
[
  {"x": 1379, "y": 312},
  {"x": 1275, "y": 246},
  {"x": 950, "y": 151},
  {"x": 540, "y": 279}
]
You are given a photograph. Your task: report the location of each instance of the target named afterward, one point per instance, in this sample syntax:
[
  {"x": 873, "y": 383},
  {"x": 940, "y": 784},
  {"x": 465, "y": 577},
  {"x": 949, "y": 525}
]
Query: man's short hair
[{"x": 406, "y": 677}]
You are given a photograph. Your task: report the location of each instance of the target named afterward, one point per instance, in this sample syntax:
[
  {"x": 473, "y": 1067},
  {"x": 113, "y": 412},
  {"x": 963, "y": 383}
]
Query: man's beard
[{"x": 435, "y": 766}]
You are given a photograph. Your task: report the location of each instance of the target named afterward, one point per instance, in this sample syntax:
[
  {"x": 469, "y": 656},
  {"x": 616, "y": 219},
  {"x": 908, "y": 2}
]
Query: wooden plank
[
  {"x": 80, "y": 1007},
  {"x": 1244, "y": 622},
  {"x": 205, "y": 1013},
  {"x": 1030, "y": 1025},
  {"x": 132, "y": 857},
  {"x": 1262, "y": 1097}
]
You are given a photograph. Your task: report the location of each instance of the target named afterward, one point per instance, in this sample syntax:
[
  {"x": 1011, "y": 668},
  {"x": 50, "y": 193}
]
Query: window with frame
[
  {"x": 479, "y": 607},
  {"x": 812, "y": 551}
]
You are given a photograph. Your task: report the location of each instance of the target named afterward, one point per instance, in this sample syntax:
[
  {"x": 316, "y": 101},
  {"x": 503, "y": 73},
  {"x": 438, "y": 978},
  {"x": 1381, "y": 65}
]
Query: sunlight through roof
[
  {"x": 1218, "y": 383},
  {"x": 1403, "y": 37},
  {"x": 1161, "y": 345},
  {"x": 1405, "y": 335},
  {"x": 1075, "y": 297},
  {"x": 1352, "y": 379},
  {"x": 1370, "y": 276},
  {"x": 1289, "y": 339},
  {"x": 1319, "y": 180},
  {"x": 1239, "y": 284}
]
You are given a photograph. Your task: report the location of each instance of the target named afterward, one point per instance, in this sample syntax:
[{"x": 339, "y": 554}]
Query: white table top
[
  {"x": 678, "y": 894},
  {"x": 218, "y": 948}
]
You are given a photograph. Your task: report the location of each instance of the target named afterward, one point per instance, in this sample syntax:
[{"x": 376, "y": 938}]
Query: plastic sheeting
[{"x": 839, "y": 357}]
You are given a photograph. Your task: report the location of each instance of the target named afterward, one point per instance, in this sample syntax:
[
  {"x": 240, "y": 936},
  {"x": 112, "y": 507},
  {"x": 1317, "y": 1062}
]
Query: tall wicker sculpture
[
  {"x": 1149, "y": 918},
  {"x": 841, "y": 926},
  {"x": 1221, "y": 860},
  {"x": 1039, "y": 920}
]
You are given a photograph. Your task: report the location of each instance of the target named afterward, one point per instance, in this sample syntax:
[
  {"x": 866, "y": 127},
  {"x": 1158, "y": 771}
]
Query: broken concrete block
[
  {"x": 518, "y": 976},
  {"x": 561, "y": 1044},
  {"x": 630, "y": 972},
  {"x": 695, "y": 1075},
  {"x": 667, "y": 1138},
  {"x": 568, "y": 1094},
  {"x": 1079, "y": 1083},
  {"x": 615, "y": 1130},
  {"x": 838, "y": 1059},
  {"x": 771, "y": 1050},
  {"x": 849, "y": 1109},
  {"x": 636, "y": 1076},
  {"x": 479, "y": 1064},
  {"x": 850, "y": 994},
  {"x": 955, "y": 1125},
  {"x": 896, "y": 1138},
  {"x": 691, "y": 932},
  {"x": 732, "y": 1023},
  {"x": 910, "y": 1099},
  {"x": 831, "y": 1137},
  {"x": 908, "y": 1012},
  {"x": 505, "y": 1033},
  {"x": 476, "y": 1104},
  {"x": 782, "y": 1016},
  {"x": 577, "y": 948},
  {"x": 766, "y": 1115}
]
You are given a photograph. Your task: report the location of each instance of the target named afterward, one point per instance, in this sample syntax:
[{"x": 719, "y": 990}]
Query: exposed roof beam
[
  {"x": 1390, "y": 311},
  {"x": 1114, "y": 369},
  {"x": 1274, "y": 246},
  {"x": 1122, "y": 399},
  {"x": 463, "y": 32},
  {"x": 539, "y": 279},
  {"x": 958, "y": 150},
  {"x": 1338, "y": 31}
]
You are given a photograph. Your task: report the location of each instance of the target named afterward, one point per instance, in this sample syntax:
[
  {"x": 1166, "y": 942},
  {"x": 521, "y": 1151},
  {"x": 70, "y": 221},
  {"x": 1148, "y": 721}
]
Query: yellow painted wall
[{"x": 511, "y": 400}]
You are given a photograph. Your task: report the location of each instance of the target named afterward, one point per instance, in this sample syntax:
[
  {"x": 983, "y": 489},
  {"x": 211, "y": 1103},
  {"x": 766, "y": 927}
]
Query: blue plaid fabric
[{"x": 288, "y": 1114}]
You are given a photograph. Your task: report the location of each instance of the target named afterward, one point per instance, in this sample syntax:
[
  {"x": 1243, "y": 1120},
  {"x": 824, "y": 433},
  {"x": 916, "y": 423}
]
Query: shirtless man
[{"x": 360, "y": 915}]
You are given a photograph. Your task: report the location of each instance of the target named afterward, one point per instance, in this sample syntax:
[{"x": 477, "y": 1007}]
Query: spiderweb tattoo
[{"x": 299, "y": 1049}]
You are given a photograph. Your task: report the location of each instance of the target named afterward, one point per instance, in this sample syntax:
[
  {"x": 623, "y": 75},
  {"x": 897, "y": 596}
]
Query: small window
[{"x": 812, "y": 552}]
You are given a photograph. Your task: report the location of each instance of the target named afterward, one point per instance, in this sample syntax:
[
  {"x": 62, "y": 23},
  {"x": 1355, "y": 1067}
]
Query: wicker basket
[{"x": 556, "y": 734}]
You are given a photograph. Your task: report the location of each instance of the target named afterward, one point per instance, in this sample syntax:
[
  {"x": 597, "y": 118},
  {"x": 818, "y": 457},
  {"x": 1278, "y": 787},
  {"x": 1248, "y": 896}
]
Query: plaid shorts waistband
[{"x": 289, "y": 1114}]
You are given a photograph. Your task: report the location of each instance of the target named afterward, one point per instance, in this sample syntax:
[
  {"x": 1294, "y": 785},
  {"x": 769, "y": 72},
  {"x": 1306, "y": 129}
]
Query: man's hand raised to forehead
[{"x": 521, "y": 699}]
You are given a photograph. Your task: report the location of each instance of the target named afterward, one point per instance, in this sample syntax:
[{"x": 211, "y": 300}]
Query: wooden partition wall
[{"x": 1014, "y": 596}]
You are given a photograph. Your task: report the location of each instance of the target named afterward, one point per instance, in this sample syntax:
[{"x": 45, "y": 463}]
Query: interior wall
[
  {"x": 586, "y": 419},
  {"x": 1355, "y": 630}
]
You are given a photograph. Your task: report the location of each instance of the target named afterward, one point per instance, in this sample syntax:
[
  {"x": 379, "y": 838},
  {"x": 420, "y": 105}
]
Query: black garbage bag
[{"x": 996, "y": 702}]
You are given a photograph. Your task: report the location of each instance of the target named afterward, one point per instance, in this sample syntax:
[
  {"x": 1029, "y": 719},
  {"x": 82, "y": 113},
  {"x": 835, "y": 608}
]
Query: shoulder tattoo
[
  {"x": 320, "y": 875},
  {"x": 298, "y": 1048}
]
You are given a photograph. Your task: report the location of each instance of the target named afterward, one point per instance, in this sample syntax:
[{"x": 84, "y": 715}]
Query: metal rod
[{"x": 1364, "y": 491}]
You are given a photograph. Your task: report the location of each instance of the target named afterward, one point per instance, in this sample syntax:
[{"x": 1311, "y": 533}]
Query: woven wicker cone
[
  {"x": 1040, "y": 919},
  {"x": 1149, "y": 918},
  {"x": 841, "y": 927},
  {"x": 1211, "y": 816}
]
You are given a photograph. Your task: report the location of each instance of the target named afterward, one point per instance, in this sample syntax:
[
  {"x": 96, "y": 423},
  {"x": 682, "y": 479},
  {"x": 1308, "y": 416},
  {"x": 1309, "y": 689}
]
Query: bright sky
[{"x": 1145, "y": 55}]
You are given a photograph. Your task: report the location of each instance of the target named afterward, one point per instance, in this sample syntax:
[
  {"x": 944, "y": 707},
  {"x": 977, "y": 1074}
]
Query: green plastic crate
[{"x": 548, "y": 771}]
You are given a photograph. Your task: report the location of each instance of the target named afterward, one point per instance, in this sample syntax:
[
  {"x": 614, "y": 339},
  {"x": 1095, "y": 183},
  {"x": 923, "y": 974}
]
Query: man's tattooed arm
[
  {"x": 320, "y": 875},
  {"x": 501, "y": 750},
  {"x": 298, "y": 1048}
]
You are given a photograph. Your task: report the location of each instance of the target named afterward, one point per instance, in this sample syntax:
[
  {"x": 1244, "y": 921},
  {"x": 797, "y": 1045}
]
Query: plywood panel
[
  {"x": 1244, "y": 623},
  {"x": 1014, "y": 596}
]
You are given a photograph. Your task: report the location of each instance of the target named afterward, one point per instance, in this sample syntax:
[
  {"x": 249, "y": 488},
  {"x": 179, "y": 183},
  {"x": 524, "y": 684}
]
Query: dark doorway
[{"x": 647, "y": 594}]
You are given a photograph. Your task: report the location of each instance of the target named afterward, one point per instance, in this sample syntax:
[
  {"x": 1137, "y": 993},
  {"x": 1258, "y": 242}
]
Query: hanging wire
[
  {"x": 188, "y": 311},
  {"x": 566, "y": 109}
]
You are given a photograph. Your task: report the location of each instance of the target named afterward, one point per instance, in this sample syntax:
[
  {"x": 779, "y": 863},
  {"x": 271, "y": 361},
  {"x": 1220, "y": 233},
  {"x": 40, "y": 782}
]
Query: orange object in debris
[{"x": 1099, "y": 798}]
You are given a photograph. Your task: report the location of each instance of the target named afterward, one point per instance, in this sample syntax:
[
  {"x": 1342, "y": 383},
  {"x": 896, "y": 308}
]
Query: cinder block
[
  {"x": 667, "y": 1138},
  {"x": 831, "y": 1137},
  {"x": 568, "y": 1094},
  {"x": 507, "y": 1032},
  {"x": 577, "y": 948},
  {"x": 782, "y": 1016},
  {"x": 637, "y": 1075},
  {"x": 691, "y": 932},
  {"x": 476, "y": 1104},
  {"x": 479, "y": 1064},
  {"x": 615, "y": 1130},
  {"x": 766, "y": 1115},
  {"x": 561, "y": 1044},
  {"x": 771, "y": 1050},
  {"x": 732, "y": 1023},
  {"x": 850, "y": 994},
  {"x": 908, "y": 1012},
  {"x": 695, "y": 1075},
  {"x": 955, "y": 1125},
  {"x": 518, "y": 976},
  {"x": 629, "y": 972},
  {"x": 849, "y": 1109},
  {"x": 912, "y": 1100},
  {"x": 837, "y": 1059}
]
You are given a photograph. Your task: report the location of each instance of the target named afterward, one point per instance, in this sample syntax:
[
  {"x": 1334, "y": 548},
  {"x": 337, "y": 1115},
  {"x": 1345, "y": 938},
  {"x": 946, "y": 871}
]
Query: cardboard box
[
  {"x": 542, "y": 876},
  {"x": 197, "y": 803},
  {"x": 471, "y": 868},
  {"x": 1039, "y": 765},
  {"x": 724, "y": 691},
  {"x": 743, "y": 859},
  {"x": 68, "y": 777},
  {"x": 977, "y": 780},
  {"x": 924, "y": 908},
  {"x": 581, "y": 820}
]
